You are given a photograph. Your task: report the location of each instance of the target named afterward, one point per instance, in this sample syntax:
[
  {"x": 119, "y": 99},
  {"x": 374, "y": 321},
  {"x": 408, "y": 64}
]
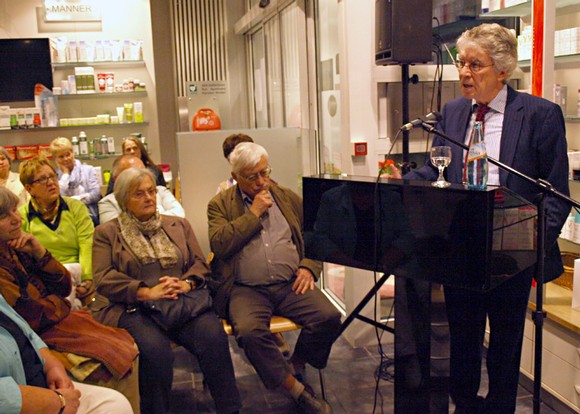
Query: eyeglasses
[
  {"x": 474, "y": 67},
  {"x": 44, "y": 180},
  {"x": 141, "y": 194},
  {"x": 254, "y": 177}
]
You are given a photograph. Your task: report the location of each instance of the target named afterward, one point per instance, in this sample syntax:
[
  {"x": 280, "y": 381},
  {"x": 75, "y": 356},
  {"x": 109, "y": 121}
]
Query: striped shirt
[{"x": 492, "y": 133}]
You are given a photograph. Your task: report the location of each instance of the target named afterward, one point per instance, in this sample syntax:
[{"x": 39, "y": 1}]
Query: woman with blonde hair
[
  {"x": 61, "y": 224},
  {"x": 76, "y": 180}
]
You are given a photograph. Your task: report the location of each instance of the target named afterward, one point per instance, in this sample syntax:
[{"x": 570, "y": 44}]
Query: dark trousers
[
  {"x": 506, "y": 307},
  {"x": 250, "y": 310},
  {"x": 204, "y": 337}
]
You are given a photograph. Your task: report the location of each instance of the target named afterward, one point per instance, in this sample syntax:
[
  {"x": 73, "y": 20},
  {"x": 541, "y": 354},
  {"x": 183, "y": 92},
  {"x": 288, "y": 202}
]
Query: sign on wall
[{"x": 72, "y": 10}]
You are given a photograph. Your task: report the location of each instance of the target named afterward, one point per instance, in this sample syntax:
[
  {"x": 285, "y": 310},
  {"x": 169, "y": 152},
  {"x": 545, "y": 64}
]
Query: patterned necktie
[{"x": 480, "y": 112}]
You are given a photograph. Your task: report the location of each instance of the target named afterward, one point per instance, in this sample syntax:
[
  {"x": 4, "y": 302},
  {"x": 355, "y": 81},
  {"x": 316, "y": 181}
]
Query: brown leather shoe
[{"x": 309, "y": 404}]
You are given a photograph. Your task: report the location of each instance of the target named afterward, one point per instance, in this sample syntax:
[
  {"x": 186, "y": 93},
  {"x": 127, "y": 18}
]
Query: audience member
[
  {"x": 76, "y": 180},
  {"x": 228, "y": 146},
  {"x": 36, "y": 285},
  {"x": 33, "y": 380},
  {"x": 10, "y": 179},
  {"x": 167, "y": 204},
  {"x": 61, "y": 224},
  {"x": 258, "y": 219},
  {"x": 134, "y": 146},
  {"x": 145, "y": 261}
]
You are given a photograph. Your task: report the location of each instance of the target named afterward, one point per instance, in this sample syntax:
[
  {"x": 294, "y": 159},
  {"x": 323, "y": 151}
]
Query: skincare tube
[
  {"x": 129, "y": 112},
  {"x": 138, "y": 110},
  {"x": 121, "y": 114}
]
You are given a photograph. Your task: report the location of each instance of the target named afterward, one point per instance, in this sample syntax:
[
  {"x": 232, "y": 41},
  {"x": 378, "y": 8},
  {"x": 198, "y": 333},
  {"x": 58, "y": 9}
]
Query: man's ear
[{"x": 234, "y": 176}]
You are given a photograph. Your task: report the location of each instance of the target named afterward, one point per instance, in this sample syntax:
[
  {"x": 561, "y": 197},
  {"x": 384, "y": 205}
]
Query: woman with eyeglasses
[
  {"x": 142, "y": 256},
  {"x": 36, "y": 285},
  {"x": 61, "y": 224}
]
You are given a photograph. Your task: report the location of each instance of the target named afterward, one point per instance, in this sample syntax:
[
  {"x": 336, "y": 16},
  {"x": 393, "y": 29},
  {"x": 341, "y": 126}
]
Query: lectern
[{"x": 424, "y": 236}]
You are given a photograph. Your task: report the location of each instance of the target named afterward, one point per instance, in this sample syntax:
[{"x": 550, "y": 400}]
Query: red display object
[
  {"x": 360, "y": 148},
  {"x": 205, "y": 119}
]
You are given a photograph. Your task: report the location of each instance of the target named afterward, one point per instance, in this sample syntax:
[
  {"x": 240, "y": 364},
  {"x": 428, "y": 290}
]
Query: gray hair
[
  {"x": 5, "y": 153},
  {"x": 127, "y": 181},
  {"x": 246, "y": 155},
  {"x": 120, "y": 164},
  {"x": 498, "y": 41},
  {"x": 8, "y": 201}
]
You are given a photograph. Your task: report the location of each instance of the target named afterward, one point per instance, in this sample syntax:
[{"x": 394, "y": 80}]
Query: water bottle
[{"x": 477, "y": 167}]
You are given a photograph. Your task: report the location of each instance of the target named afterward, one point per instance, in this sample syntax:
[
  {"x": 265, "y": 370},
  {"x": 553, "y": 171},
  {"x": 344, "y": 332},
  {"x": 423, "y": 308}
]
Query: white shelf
[
  {"x": 77, "y": 127},
  {"x": 100, "y": 95},
  {"x": 109, "y": 63},
  {"x": 525, "y": 9}
]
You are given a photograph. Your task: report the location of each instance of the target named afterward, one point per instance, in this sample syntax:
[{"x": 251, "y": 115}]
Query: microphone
[{"x": 430, "y": 118}]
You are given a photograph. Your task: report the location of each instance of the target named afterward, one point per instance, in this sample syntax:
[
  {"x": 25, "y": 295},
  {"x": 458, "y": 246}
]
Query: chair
[{"x": 279, "y": 324}]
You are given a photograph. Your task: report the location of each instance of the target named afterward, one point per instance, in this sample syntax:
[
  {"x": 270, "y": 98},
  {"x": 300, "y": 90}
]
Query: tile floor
[{"x": 349, "y": 381}]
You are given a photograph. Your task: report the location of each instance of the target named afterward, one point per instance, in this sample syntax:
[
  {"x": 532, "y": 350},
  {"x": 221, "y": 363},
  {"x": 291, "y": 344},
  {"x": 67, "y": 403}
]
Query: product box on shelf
[
  {"x": 44, "y": 150},
  {"x": 4, "y": 117},
  {"x": 85, "y": 79},
  {"x": 11, "y": 150},
  {"x": 26, "y": 152},
  {"x": 70, "y": 51}
]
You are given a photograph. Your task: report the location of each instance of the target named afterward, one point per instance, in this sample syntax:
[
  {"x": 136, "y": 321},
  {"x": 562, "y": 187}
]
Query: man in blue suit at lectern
[{"x": 528, "y": 134}]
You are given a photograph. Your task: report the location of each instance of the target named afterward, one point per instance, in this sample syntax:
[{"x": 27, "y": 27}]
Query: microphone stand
[{"x": 538, "y": 315}]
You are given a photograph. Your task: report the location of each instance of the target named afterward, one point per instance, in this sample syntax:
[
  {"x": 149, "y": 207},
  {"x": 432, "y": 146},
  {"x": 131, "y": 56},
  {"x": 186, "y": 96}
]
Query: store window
[
  {"x": 275, "y": 70},
  {"x": 327, "y": 41},
  {"x": 259, "y": 79},
  {"x": 327, "y": 60}
]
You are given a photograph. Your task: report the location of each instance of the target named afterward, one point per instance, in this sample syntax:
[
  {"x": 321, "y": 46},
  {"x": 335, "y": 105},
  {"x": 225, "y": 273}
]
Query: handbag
[{"x": 171, "y": 314}]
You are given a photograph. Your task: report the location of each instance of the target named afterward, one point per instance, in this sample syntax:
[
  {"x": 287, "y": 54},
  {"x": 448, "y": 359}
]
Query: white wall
[{"x": 358, "y": 92}]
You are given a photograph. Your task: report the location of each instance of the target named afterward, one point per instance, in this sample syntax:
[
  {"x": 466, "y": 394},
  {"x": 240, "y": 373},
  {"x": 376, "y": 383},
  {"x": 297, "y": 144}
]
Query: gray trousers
[{"x": 250, "y": 310}]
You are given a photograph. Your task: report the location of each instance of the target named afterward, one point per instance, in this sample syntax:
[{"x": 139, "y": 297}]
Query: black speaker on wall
[{"x": 403, "y": 31}]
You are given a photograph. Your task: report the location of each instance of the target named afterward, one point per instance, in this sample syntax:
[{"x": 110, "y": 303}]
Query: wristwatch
[
  {"x": 196, "y": 282},
  {"x": 62, "y": 401},
  {"x": 191, "y": 283}
]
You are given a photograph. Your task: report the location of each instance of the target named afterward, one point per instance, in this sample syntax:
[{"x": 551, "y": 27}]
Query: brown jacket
[
  {"x": 37, "y": 290},
  {"x": 114, "y": 264},
  {"x": 231, "y": 227}
]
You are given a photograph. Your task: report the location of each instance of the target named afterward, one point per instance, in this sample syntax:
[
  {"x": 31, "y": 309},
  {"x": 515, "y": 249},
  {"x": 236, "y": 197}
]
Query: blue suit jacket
[{"x": 533, "y": 142}]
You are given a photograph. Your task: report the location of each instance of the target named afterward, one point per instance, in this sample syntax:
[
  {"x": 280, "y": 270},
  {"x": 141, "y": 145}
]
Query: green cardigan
[{"x": 72, "y": 241}]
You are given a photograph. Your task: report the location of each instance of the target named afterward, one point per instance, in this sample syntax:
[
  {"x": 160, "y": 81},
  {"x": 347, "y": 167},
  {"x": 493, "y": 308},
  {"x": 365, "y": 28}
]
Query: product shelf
[
  {"x": 525, "y": 8},
  {"x": 101, "y": 63},
  {"x": 559, "y": 61},
  {"x": 77, "y": 127},
  {"x": 100, "y": 95}
]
